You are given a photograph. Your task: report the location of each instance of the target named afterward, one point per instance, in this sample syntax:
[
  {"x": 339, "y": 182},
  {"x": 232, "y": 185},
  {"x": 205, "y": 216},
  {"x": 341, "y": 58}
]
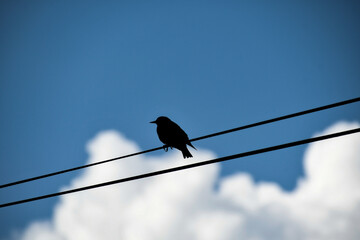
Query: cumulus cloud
[{"x": 185, "y": 205}]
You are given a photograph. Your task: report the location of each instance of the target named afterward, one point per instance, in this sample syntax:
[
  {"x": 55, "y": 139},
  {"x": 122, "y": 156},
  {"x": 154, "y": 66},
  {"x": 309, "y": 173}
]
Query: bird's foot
[{"x": 166, "y": 148}]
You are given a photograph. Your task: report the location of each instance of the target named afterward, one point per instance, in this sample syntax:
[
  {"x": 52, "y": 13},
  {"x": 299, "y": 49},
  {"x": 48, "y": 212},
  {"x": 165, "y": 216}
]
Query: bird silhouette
[{"x": 172, "y": 136}]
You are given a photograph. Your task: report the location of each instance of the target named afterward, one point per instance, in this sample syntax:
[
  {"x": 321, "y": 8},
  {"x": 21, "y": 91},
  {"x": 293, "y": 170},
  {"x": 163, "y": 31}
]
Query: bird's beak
[{"x": 153, "y": 122}]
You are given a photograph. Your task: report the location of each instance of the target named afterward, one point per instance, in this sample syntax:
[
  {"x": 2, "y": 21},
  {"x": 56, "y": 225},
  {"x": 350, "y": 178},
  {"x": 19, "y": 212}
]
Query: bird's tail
[{"x": 186, "y": 153}]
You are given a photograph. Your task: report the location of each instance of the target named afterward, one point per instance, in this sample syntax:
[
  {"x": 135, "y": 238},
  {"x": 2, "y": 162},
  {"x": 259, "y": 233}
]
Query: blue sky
[{"x": 71, "y": 69}]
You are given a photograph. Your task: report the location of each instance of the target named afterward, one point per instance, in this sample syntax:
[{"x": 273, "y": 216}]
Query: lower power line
[
  {"x": 169, "y": 170},
  {"x": 272, "y": 120}
]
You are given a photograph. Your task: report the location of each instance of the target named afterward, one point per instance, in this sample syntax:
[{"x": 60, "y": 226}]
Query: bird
[{"x": 172, "y": 135}]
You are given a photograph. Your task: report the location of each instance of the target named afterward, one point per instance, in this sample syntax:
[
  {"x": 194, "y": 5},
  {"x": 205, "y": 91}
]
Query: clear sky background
[{"x": 71, "y": 69}]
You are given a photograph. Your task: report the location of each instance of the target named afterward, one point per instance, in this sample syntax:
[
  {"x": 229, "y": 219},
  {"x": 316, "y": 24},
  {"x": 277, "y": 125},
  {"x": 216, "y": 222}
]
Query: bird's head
[{"x": 161, "y": 120}]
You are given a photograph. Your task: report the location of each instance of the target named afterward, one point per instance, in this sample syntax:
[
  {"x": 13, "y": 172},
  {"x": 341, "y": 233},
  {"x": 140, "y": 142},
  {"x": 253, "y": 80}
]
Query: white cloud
[{"x": 185, "y": 205}]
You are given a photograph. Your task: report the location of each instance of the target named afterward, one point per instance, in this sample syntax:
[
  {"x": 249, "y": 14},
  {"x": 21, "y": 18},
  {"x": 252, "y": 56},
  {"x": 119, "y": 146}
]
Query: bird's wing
[{"x": 181, "y": 134}]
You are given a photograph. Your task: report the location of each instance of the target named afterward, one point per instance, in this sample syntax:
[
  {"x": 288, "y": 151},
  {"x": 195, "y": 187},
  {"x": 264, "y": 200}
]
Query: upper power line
[
  {"x": 317, "y": 109},
  {"x": 169, "y": 170}
]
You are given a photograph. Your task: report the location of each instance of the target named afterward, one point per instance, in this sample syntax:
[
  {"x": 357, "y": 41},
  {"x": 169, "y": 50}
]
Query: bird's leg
[{"x": 166, "y": 148}]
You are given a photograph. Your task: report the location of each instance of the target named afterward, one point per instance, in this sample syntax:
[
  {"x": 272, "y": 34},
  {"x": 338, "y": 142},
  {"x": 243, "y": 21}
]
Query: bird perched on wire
[{"x": 172, "y": 136}]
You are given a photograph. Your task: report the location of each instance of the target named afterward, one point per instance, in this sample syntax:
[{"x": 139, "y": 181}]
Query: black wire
[
  {"x": 151, "y": 174},
  {"x": 297, "y": 114},
  {"x": 192, "y": 140}
]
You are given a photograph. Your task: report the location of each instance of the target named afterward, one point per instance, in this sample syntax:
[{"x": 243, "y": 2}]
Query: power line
[
  {"x": 338, "y": 104},
  {"x": 297, "y": 114},
  {"x": 151, "y": 174}
]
